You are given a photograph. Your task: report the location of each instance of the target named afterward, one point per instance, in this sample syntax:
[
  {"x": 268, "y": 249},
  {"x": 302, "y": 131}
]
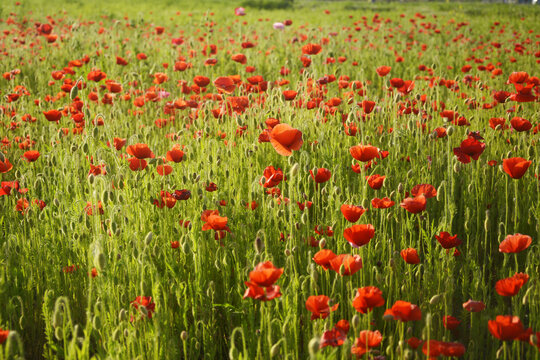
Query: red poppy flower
[
  {"x": 165, "y": 199},
  {"x": 239, "y": 58},
  {"x": 368, "y": 298},
  {"x": 469, "y": 148},
  {"x": 53, "y": 115},
  {"x": 322, "y": 175},
  {"x": 383, "y": 203},
  {"x": 510, "y": 286},
  {"x": 410, "y": 256},
  {"x": 515, "y": 243},
  {"x": 137, "y": 164},
  {"x": 119, "y": 143},
  {"x": 146, "y": 302},
  {"x": 383, "y": 70},
  {"x": 140, "y": 151},
  {"x": 364, "y": 153},
  {"x": 175, "y": 154},
  {"x": 404, "y": 311},
  {"x": 225, "y": 84},
  {"x": 520, "y": 124},
  {"x": 359, "y": 235},
  {"x": 285, "y": 139},
  {"x": 447, "y": 241},
  {"x": 261, "y": 293},
  {"x": 516, "y": 167},
  {"x": 323, "y": 258},
  {"x": 201, "y": 81},
  {"x": 311, "y": 49},
  {"x": 366, "y": 340},
  {"x": 336, "y": 336},
  {"x": 375, "y": 181},
  {"x": 450, "y": 322},
  {"x": 345, "y": 264},
  {"x": 494, "y": 122},
  {"x": 414, "y": 342},
  {"x": 271, "y": 177},
  {"x": 3, "y": 336},
  {"x": 414, "y": 205},
  {"x": 289, "y": 95},
  {"x": 474, "y": 306},
  {"x": 318, "y": 306},
  {"x": 506, "y": 327},
  {"x": 31, "y": 155},
  {"x": 265, "y": 274},
  {"x": 368, "y": 106},
  {"x": 213, "y": 221},
  {"x": 427, "y": 190},
  {"x": 352, "y": 212},
  {"x": 164, "y": 170}
]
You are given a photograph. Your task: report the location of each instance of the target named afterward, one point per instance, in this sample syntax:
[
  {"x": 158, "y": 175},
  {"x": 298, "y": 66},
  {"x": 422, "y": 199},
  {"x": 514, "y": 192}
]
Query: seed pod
[
  {"x": 294, "y": 169},
  {"x": 122, "y": 315},
  {"x": 450, "y": 130},
  {"x": 457, "y": 167},
  {"x": 74, "y": 92},
  {"x": 148, "y": 238},
  {"x": 184, "y": 335},
  {"x": 322, "y": 243},
  {"x": 233, "y": 353},
  {"x": 400, "y": 188},
  {"x": 287, "y": 252},
  {"x": 259, "y": 245},
  {"x": 435, "y": 299},
  {"x": 355, "y": 321},
  {"x": 100, "y": 261},
  {"x": 58, "y": 334},
  {"x": 96, "y": 322},
  {"x": 274, "y": 351},
  {"x": 143, "y": 310},
  {"x": 116, "y": 335}
]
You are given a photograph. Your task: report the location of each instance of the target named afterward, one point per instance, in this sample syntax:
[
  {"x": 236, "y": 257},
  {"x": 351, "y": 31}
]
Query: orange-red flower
[
  {"x": 31, "y": 155},
  {"x": 383, "y": 70},
  {"x": 285, "y": 139},
  {"x": 3, "y": 336},
  {"x": 323, "y": 258},
  {"x": 322, "y": 175},
  {"x": 506, "y": 327},
  {"x": 450, "y": 322},
  {"x": 225, "y": 84},
  {"x": 119, "y": 143},
  {"x": 368, "y": 298},
  {"x": 140, "y": 151},
  {"x": 352, "y": 212},
  {"x": 375, "y": 181},
  {"x": 271, "y": 177},
  {"x": 510, "y": 286},
  {"x": 146, "y": 302},
  {"x": 359, "y": 235},
  {"x": 318, "y": 306},
  {"x": 404, "y": 311},
  {"x": 364, "y": 153},
  {"x": 311, "y": 49},
  {"x": 427, "y": 190},
  {"x": 53, "y": 115},
  {"x": 515, "y": 243},
  {"x": 345, "y": 264},
  {"x": 516, "y": 167},
  {"x": 265, "y": 274},
  {"x": 365, "y": 341},
  {"x": 175, "y": 154},
  {"x": 213, "y": 221},
  {"x": 383, "y": 203},
  {"x": 137, "y": 164},
  {"x": 5, "y": 166},
  {"x": 447, "y": 241},
  {"x": 336, "y": 336},
  {"x": 414, "y": 205},
  {"x": 410, "y": 256}
]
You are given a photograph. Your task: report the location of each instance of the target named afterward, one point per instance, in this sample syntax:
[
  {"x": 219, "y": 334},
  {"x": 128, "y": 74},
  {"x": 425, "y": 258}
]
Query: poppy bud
[
  {"x": 233, "y": 353},
  {"x": 450, "y": 130},
  {"x": 2, "y": 157},
  {"x": 259, "y": 245},
  {"x": 525, "y": 299},
  {"x": 500, "y": 352},
  {"x": 294, "y": 249},
  {"x": 322, "y": 243},
  {"x": 116, "y": 335},
  {"x": 95, "y": 131},
  {"x": 400, "y": 188},
  {"x": 96, "y": 322},
  {"x": 56, "y": 202},
  {"x": 74, "y": 92},
  {"x": 148, "y": 238},
  {"x": 355, "y": 321},
  {"x": 100, "y": 261},
  {"x": 457, "y": 167},
  {"x": 122, "y": 315},
  {"x": 392, "y": 194},
  {"x": 274, "y": 351},
  {"x": 58, "y": 334},
  {"x": 314, "y": 273},
  {"x": 91, "y": 179},
  {"x": 435, "y": 299},
  {"x": 313, "y": 346},
  {"x": 287, "y": 252},
  {"x": 388, "y": 317},
  {"x": 143, "y": 310},
  {"x": 409, "y": 330},
  {"x": 184, "y": 335},
  {"x": 85, "y": 148},
  {"x": 337, "y": 190},
  {"x": 498, "y": 127},
  {"x": 379, "y": 278}
]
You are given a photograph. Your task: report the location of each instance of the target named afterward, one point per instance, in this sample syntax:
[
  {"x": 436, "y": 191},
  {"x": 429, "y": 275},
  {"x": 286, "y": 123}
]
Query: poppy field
[{"x": 327, "y": 181}]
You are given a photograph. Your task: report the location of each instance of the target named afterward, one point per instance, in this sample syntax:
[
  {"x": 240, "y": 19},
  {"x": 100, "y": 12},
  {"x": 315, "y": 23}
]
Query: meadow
[{"x": 335, "y": 180}]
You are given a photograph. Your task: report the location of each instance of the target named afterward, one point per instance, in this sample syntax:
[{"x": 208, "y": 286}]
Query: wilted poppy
[
  {"x": 368, "y": 298},
  {"x": 516, "y": 167},
  {"x": 515, "y": 243},
  {"x": 359, "y": 235},
  {"x": 318, "y": 306},
  {"x": 285, "y": 139},
  {"x": 474, "y": 306}
]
